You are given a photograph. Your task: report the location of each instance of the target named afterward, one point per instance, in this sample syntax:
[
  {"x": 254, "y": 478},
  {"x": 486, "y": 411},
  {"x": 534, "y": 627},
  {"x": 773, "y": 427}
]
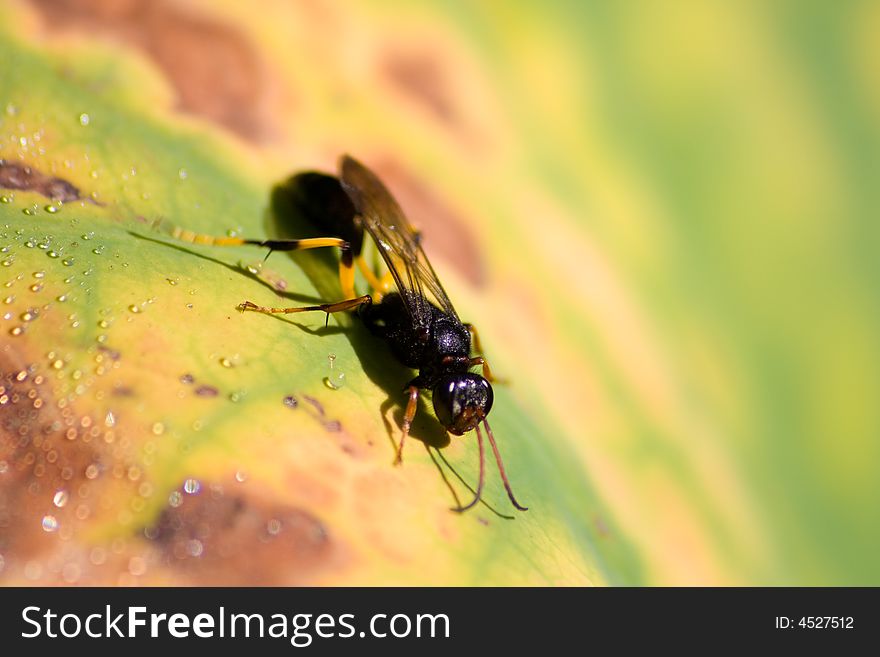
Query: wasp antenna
[
  {"x": 479, "y": 492},
  {"x": 500, "y": 465},
  {"x": 267, "y": 255}
]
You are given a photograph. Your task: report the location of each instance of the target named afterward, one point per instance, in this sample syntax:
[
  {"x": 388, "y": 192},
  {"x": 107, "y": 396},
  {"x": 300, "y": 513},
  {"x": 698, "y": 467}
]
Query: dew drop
[
  {"x": 50, "y": 523},
  {"x": 137, "y": 566},
  {"x": 191, "y": 486},
  {"x": 182, "y": 173},
  {"x": 60, "y": 498},
  {"x": 175, "y": 499},
  {"x": 158, "y": 429},
  {"x": 134, "y": 308},
  {"x": 51, "y": 209},
  {"x": 194, "y": 548},
  {"x": 16, "y": 330}
]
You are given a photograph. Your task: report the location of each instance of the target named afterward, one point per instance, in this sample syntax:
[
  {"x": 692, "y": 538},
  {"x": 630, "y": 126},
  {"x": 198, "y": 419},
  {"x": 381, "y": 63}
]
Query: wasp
[{"x": 407, "y": 306}]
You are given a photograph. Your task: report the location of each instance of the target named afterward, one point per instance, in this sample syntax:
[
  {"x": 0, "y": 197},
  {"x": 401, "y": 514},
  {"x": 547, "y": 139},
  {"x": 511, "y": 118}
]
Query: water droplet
[
  {"x": 187, "y": 378},
  {"x": 51, "y": 209},
  {"x": 273, "y": 527},
  {"x": 57, "y": 364},
  {"x": 192, "y": 486},
  {"x": 60, "y": 498},
  {"x": 194, "y": 547},
  {"x": 134, "y": 308},
  {"x": 137, "y": 566},
  {"x": 5, "y": 199},
  {"x": 16, "y": 330},
  {"x": 36, "y": 287},
  {"x": 98, "y": 556},
  {"x": 172, "y": 281},
  {"x": 70, "y": 573},
  {"x": 29, "y": 211},
  {"x": 158, "y": 429},
  {"x": 53, "y": 254},
  {"x": 62, "y": 298},
  {"x": 237, "y": 396},
  {"x": 49, "y": 523},
  {"x": 29, "y": 315},
  {"x": 67, "y": 262},
  {"x": 110, "y": 419},
  {"x": 290, "y": 401},
  {"x": 226, "y": 362},
  {"x": 84, "y": 119},
  {"x": 39, "y": 274},
  {"x": 182, "y": 173},
  {"x": 9, "y": 299},
  {"x": 240, "y": 476},
  {"x": 175, "y": 499}
]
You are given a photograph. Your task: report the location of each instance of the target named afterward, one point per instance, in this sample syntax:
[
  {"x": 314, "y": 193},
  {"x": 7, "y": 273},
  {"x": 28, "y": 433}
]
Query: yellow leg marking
[
  {"x": 346, "y": 278},
  {"x": 411, "y": 407},
  {"x": 380, "y": 286}
]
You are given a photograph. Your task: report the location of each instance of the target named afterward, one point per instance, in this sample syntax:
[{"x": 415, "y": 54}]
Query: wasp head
[{"x": 461, "y": 401}]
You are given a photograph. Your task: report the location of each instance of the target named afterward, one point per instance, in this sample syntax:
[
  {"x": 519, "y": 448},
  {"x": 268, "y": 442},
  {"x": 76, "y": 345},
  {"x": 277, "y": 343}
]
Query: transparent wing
[{"x": 398, "y": 242}]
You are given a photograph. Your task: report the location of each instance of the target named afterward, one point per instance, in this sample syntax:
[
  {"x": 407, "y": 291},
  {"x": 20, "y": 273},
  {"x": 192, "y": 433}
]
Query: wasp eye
[{"x": 461, "y": 401}]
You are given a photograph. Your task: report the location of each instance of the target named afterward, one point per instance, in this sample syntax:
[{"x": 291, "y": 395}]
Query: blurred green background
[{"x": 674, "y": 204}]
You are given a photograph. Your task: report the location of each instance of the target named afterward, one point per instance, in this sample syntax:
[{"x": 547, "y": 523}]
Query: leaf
[{"x": 154, "y": 434}]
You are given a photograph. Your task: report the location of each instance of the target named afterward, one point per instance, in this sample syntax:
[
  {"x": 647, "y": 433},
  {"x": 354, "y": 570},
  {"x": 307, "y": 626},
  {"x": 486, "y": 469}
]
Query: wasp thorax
[{"x": 461, "y": 401}]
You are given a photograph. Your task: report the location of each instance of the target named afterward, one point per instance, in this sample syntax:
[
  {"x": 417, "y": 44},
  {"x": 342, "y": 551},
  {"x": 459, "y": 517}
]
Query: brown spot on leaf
[
  {"x": 14, "y": 175},
  {"x": 446, "y": 233},
  {"x": 55, "y": 470},
  {"x": 235, "y": 540},
  {"x": 422, "y": 76},
  {"x": 207, "y": 391},
  {"x": 212, "y": 66}
]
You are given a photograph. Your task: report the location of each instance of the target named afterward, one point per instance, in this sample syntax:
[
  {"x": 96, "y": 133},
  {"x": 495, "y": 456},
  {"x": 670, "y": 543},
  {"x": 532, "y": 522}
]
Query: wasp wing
[{"x": 398, "y": 242}]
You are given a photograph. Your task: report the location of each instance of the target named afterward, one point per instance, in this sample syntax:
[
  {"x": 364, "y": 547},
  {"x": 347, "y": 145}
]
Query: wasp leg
[
  {"x": 411, "y": 407},
  {"x": 481, "y": 360},
  {"x": 380, "y": 286},
  {"x": 192, "y": 237},
  {"x": 339, "y": 306}
]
